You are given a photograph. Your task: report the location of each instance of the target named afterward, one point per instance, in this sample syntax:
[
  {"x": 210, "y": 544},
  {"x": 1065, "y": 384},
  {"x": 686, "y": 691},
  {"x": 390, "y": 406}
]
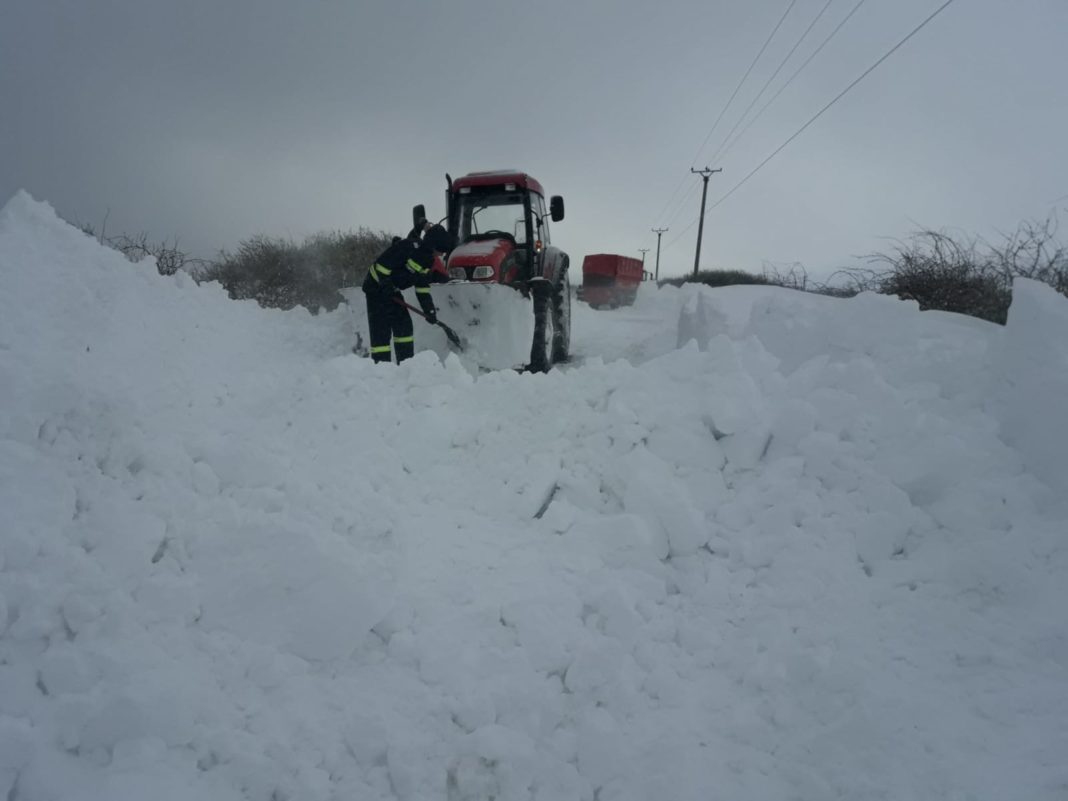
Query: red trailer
[{"x": 609, "y": 280}]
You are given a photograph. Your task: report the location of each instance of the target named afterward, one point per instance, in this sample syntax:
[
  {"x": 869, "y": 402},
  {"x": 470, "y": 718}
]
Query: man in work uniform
[{"x": 407, "y": 262}]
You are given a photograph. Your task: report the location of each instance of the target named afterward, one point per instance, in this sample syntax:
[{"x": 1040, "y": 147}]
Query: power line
[
  {"x": 742, "y": 81},
  {"x": 820, "y": 113},
  {"x": 681, "y": 233},
  {"x": 790, "y": 80},
  {"x": 681, "y": 204},
  {"x": 671, "y": 198},
  {"x": 764, "y": 108},
  {"x": 727, "y": 105},
  {"x": 837, "y": 97},
  {"x": 767, "y": 83}
]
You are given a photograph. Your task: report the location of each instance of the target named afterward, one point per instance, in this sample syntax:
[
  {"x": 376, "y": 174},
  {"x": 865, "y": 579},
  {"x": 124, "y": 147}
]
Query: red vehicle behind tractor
[
  {"x": 609, "y": 280},
  {"x": 501, "y": 224}
]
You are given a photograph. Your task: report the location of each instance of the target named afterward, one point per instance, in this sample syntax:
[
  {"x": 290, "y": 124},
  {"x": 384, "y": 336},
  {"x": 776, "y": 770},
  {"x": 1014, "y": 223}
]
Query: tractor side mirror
[
  {"x": 556, "y": 208},
  {"x": 418, "y": 214}
]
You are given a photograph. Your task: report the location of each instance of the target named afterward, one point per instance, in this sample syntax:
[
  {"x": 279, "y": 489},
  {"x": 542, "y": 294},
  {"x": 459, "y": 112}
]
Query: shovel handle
[
  {"x": 452, "y": 335},
  {"x": 408, "y": 306}
]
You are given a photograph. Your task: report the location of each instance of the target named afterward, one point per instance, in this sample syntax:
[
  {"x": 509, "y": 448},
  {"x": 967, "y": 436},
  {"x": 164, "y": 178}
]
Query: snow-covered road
[{"x": 750, "y": 544}]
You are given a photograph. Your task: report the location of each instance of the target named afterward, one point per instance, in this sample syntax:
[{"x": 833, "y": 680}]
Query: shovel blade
[{"x": 454, "y": 338}]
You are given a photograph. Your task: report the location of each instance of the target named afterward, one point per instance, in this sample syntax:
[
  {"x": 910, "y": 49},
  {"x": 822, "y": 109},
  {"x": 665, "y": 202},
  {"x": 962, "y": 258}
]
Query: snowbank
[
  {"x": 1033, "y": 372},
  {"x": 750, "y": 544}
]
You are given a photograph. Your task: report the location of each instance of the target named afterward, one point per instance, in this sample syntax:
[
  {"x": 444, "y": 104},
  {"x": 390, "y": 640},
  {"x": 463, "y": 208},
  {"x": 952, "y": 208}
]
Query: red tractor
[{"x": 501, "y": 226}]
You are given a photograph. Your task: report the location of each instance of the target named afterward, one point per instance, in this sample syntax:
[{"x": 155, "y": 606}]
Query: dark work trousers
[{"x": 386, "y": 317}]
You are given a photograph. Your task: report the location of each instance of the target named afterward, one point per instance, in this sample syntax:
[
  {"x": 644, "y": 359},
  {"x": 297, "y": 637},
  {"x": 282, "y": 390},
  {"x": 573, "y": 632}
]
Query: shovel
[{"x": 454, "y": 338}]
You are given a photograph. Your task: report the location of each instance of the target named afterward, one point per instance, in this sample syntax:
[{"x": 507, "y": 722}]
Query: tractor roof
[{"x": 499, "y": 177}]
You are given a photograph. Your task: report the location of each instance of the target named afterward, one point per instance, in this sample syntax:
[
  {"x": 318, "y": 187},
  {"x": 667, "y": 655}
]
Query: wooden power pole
[
  {"x": 659, "y": 233},
  {"x": 705, "y": 174}
]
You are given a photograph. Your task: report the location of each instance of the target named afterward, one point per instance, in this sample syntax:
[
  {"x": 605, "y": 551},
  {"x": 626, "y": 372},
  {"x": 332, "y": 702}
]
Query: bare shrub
[
  {"x": 169, "y": 258},
  {"x": 792, "y": 276},
  {"x": 281, "y": 274},
  {"x": 795, "y": 276},
  {"x": 851, "y": 281},
  {"x": 717, "y": 278},
  {"x": 1033, "y": 251},
  {"x": 940, "y": 272},
  {"x": 968, "y": 274}
]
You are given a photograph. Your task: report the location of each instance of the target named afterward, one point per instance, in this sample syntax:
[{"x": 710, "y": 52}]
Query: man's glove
[{"x": 432, "y": 316}]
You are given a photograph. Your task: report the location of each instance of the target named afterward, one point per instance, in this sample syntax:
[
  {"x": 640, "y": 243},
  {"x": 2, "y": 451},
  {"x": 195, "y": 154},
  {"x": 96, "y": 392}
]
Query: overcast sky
[{"x": 214, "y": 120}]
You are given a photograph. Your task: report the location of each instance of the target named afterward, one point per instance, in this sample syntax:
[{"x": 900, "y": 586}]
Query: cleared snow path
[{"x": 753, "y": 544}]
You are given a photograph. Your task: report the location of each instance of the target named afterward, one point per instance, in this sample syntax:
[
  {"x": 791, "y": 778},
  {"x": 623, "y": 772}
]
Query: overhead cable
[
  {"x": 728, "y": 103},
  {"x": 821, "y": 112}
]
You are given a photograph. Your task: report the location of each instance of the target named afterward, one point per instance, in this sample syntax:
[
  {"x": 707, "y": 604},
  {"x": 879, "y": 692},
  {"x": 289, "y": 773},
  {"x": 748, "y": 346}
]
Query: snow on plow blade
[{"x": 495, "y": 322}]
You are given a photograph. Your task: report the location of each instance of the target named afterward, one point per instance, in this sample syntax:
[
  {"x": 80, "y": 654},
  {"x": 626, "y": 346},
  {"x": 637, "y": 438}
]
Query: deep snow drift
[{"x": 751, "y": 544}]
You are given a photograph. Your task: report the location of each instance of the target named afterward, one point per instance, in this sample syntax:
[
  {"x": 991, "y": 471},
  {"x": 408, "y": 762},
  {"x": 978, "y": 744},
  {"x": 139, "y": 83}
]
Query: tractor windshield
[{"x": 493, "y": 211}]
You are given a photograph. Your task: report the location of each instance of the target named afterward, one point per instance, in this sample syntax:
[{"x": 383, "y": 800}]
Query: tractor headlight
[
  {"x": 457, "y": 273},
  {"x": 482, "y": 271}
]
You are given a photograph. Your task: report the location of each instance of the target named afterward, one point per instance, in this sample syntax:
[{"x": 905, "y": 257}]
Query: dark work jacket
[{"x": 404, "y": 264}]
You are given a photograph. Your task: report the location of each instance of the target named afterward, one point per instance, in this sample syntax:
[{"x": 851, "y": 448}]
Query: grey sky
[{"x": 213, "y": 121}]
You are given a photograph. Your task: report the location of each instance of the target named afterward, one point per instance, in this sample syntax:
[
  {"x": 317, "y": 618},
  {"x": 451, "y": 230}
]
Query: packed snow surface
[{"x": 749, "y": 544}]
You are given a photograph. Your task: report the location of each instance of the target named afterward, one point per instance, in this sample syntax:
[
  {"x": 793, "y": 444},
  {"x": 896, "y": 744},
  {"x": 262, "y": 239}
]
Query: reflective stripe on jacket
[{"x": 405, "y": 264}]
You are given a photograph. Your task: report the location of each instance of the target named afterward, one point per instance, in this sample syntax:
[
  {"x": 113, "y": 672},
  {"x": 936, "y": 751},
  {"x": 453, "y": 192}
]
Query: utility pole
[
  {"x": 643, "y": 251},
  {"x": 659, "y": 233},
  {"x": 705, "y": 174}
]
